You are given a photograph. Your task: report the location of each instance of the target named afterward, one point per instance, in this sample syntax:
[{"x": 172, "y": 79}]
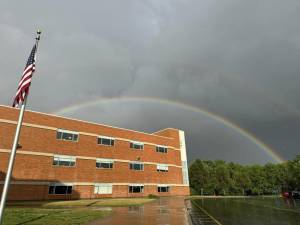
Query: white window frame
[
  {"x": 60, "y": 184},
  {"x": 141, "y": 144},
  {"x": 105, "y": 137},
  {"x": 65, "y": 158},
  {"x": 103, "y": 188},
  {"x": 136, "y": 185},
  {"x": 161, "y": 146},
  {"x": 163, "y": 186},
  {"x": 102, "y": 160},
  {"x": 69, "y": 132},
  {"x": 162, "y": 168},
  {"x": 140, "y": 163}
]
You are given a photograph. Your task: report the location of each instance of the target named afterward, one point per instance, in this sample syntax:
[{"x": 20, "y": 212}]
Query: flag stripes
[{"x": 24, "y": 84}]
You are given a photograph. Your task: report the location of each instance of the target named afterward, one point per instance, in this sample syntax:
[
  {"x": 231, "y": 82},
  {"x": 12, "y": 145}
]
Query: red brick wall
[{"x": 39, "y": 168}]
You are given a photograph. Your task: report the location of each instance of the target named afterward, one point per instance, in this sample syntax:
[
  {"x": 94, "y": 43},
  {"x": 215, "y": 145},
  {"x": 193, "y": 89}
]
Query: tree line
[{"x": 221, "y": 178}]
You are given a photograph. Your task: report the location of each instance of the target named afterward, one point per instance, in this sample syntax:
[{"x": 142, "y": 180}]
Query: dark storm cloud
[{"x": 238, "y": 59}]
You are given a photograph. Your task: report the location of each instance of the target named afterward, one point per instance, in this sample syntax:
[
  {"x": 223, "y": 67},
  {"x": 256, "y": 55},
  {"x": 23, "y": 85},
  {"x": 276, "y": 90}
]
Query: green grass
[
  {"x": 72, "y": 212},
  {"x": 41, "y": 216}
]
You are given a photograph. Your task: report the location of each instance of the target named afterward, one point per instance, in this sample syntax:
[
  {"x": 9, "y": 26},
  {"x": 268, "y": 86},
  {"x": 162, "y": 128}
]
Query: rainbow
[{"x": 267, "y": 149}]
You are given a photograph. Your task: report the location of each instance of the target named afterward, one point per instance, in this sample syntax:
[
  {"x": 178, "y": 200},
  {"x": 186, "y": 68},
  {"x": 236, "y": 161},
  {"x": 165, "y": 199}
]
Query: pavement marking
[{"x": 209, "y": 215}]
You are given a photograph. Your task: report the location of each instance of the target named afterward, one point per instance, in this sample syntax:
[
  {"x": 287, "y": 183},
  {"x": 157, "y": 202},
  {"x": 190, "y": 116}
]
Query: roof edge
[{"x": 93, "y": 123}]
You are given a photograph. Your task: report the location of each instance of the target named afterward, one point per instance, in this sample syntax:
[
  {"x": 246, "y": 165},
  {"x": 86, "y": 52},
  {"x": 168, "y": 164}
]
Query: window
[
  {"x": 103, "y": 189},
  {"x": 137, "y": 145},
  {"x": 104, "y": 163},
  {"x": 161, "y": 149},
  {"x": 136, "y": 166},
  {"x": 106, "y": 141},
  {"x": 163, "y": 188},
  {"x": 136, "y": 188},
  {"x": 162, "y": 168},
  {"x": 60, "y": 189},
  {"x": 66, "y": 135},
  {"x": 64, "y": 160}
]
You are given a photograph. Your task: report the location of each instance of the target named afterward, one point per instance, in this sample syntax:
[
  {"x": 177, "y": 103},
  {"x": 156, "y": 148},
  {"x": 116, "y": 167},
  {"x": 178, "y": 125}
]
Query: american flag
[{"x": 25, "y": 81}]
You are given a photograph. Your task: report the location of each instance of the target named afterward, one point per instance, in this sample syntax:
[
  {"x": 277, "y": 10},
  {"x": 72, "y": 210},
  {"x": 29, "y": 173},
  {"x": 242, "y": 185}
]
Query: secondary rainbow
[{"x": 267, "y": 149}]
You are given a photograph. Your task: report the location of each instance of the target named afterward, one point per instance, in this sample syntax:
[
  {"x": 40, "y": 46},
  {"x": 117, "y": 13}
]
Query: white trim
[
  {"x": 87, "y": 183},
  {"x": 185, "y": 174},
  {"x": 168, "y": 128},
  {"x": 162, "y": 146},
  {"x": 137, "y": 142},
  {"x": 67, "y": 131},
  {"x": 136, "y": 185},
  {"x": 22, "y": 152},
  {"x": 69, "y": 157},
  {"x": 81, "y": 133},
  {"x": 99, "y": 124},
  {"x": 163, "y": 185},
  {"x": 103, "y": 160},
  {"x": 106, "y": 137},
  {"x": 60, "y": 184},
  {"x": 162, "y": 167}
]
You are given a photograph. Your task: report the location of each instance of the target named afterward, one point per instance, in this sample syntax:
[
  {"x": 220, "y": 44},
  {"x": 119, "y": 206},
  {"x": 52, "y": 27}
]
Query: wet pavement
[{"x": 163, "y": 211}]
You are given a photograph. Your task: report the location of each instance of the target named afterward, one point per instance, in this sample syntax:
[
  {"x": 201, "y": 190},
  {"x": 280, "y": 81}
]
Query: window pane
[
  {"x": 163, "y": 189},
  {"x": 104, "y": 165},
  {"x": 105, "y": 141},
  {"x": 55, "y": 162},
  {"x": 161, "y": 149},
  {"x": 67, "y": 136},
  {"x": 61, "y": 189},
  {"x": 136, "y": 189},
  {"x": 64, "y": 163},
  {"x": 136, "y": 145},
  {"x": 112, "y": 142},
  {"x": 69, "y": 190},
  {"x": 58, "y": 135},
  {"x": 75, "y": 137},
  {"x": 103, "y": 189},
  {"x": 96, "y": 190},
  {"x": 136, "y": 166},
  {"x": 51, "y": 189}
]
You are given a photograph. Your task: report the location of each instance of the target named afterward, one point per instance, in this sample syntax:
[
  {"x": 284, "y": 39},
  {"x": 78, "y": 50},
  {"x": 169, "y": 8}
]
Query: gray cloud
[{"x": 238, "y": 59}]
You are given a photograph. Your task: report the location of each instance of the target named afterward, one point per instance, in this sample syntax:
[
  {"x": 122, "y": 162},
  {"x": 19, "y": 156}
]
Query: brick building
[{"x": 62, "y": 158}]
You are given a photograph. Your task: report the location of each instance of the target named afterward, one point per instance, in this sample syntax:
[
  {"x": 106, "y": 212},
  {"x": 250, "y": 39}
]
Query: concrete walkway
[{"x": 163, "y": 211}]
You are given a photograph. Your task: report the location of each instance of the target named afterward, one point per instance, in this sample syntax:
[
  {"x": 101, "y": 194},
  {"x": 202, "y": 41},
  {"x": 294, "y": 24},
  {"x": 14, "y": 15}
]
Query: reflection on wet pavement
[{"x": 163, "y": 211}]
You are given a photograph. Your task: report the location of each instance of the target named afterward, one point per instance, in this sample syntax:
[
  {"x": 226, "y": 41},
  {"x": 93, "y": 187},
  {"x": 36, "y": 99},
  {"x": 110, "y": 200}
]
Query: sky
[{"x": 186, "y": 64}]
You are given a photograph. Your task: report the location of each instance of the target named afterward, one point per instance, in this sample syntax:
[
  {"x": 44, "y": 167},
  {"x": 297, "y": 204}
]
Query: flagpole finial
[{"x": 38, "y": 32}]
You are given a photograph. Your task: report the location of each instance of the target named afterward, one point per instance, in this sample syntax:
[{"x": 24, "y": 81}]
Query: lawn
[
  {"x": 42, "y": 216},
  {"x": 72, "y": 212}
]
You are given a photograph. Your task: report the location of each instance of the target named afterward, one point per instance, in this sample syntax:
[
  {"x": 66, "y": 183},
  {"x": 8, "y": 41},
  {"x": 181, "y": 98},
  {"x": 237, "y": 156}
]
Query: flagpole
[{"x": 14, "y": 149}]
